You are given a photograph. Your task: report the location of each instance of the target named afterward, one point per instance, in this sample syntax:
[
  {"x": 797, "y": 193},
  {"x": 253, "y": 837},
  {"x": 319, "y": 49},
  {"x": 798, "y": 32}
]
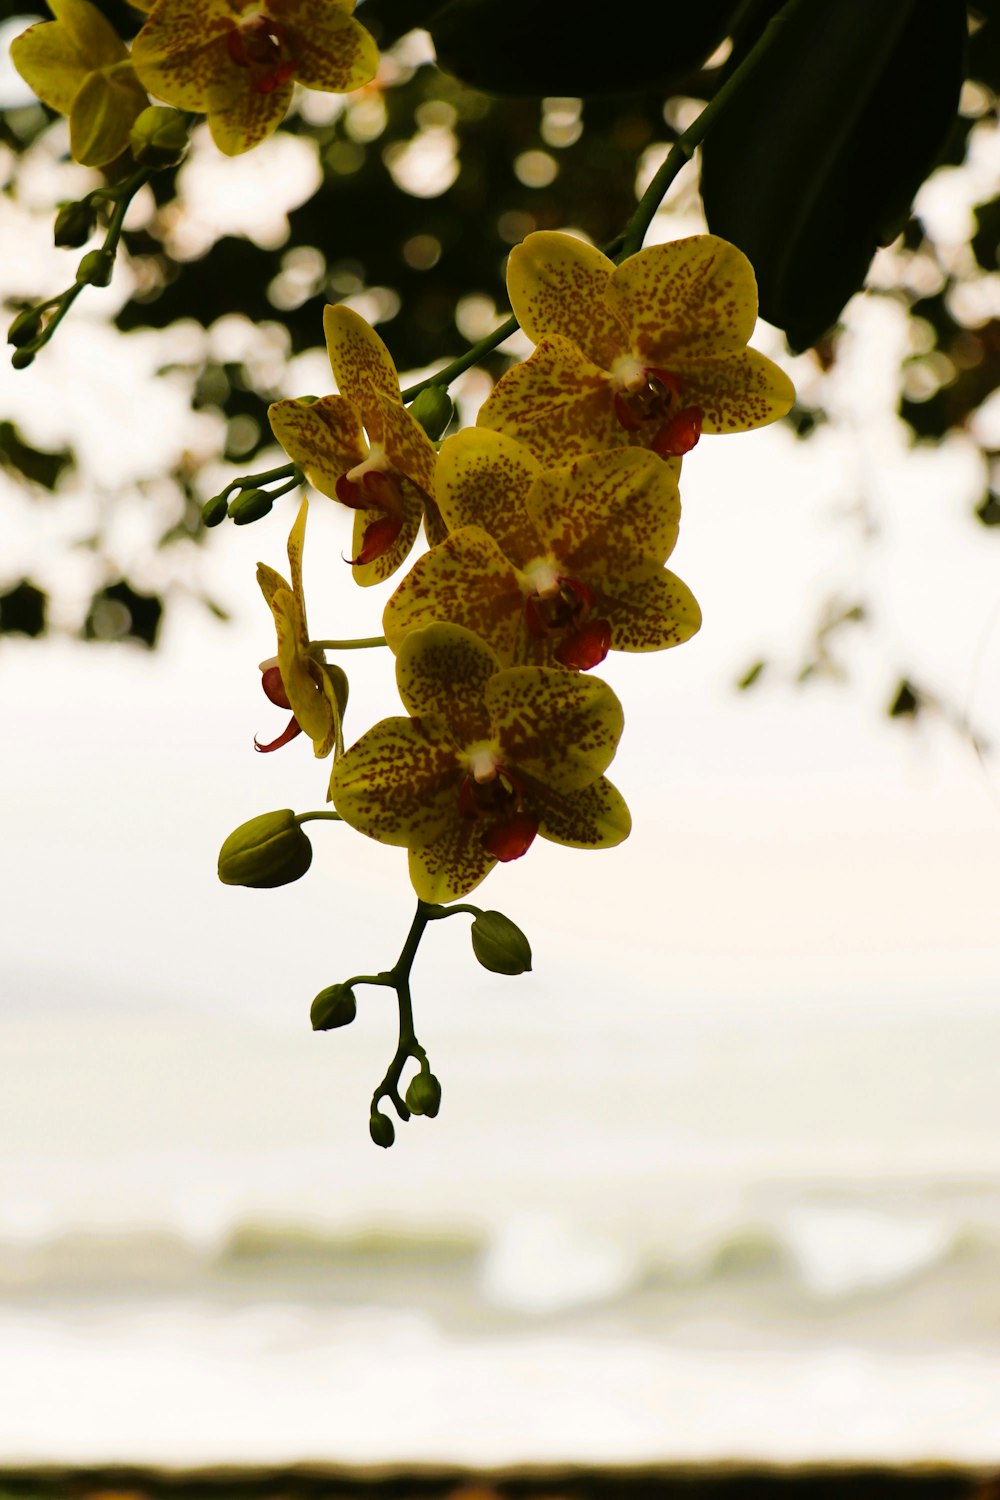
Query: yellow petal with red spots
[
  {"x": 483, "y": 479},
  {"x": 443, "y": 671},
  {"x": 465, "y": 581},
  {"x": 296, "y": 542},
  {"x": 595, "y": 817},
  {"x": 399, "y": 784},
  {"x": 558, "y": 284},
  {"x": 608, "y": 514},
  {"x": 649, "y": 612},
  {"x": 339, "y": 54},
  {"x": 557, "y": 403},
  {"x": 323, "y": 437},
  {"x": 103, "y": 113},
  {"x": 561, "y": 728},
  {"x": 360, "y": 361},
  {"x": 453, "y": 865},
  {"x": 181, "y": 53},
  {"x": 240, "y": 117},
  {"x": 307, "y": 687},
  {"x": 747, "y": 390},
  {"x": 692, "y": 298},
  {"x": 406, "y": 444}
]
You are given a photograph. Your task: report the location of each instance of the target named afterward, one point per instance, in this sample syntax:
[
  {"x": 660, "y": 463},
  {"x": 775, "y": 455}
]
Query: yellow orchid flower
[
  {"x": 489, "y": 758},
  {"x": 298, "y": 678},
  {"x": 237, "y": 61},
  {"x": 79, "y": 65},
  {"x": 550, "y": 565},
  {"x": 389, "y": 480},
  {"x": 650, "y": 353}
]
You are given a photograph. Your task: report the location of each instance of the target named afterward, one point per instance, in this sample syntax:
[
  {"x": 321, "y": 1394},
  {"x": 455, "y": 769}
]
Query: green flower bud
[
  {"x": 22, "y": 358},
  {"x": 335, "y": 1006},
  {"x": 433, "y": 409},
  {"x": 159, "y": 137},
  {"x": 25, "y": 328},
  {"x": 423, "y": 1096},
  {"x": 214, "y": 511},
  {"x": 75, "y": 223},
  {"x": 268, "y": 851},
  {"x": 500, "y": 945},
  {"x": 96, "y": 268},
  {"x": 382, "y": 1130},
  {"x": 250, "y": 505}
]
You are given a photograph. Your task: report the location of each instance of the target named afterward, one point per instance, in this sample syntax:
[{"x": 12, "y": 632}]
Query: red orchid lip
[{"x": 292, "y": 728}]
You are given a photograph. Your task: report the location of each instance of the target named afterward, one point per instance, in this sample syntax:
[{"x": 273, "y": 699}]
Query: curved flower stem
[
  {"x": 398, "y": 977},
  {"x": 289, "y": 472},
  {"x": 464, "y": 361},
  {"x": 308, "y": 817},
  {"x": 121, "y": 197},
  {"x": 361, "y": 644},
  {"x": 684, "y": 147}
]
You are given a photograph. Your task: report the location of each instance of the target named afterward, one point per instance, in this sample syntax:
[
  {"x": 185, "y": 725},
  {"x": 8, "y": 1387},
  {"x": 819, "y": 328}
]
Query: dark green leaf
[
  {"x": 22, "y": 610},
  {"x": 36, "y": 464}
]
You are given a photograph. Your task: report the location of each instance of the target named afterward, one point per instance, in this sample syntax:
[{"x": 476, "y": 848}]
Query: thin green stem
[
  {"x": 684, "y": 147},
  {"x": 361, "y": 644},
  {"x": 309, "y": 817},
  {"x": 464, "y": 361},
  {"x": 436, "y": 913},
  {"x": 267, "y": 476}
]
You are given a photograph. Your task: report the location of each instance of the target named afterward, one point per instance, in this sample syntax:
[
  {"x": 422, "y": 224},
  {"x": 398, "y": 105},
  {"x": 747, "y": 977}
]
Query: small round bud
[
  {"x": 96, "y": 268},
  {"x": 250, "y": 505},
  {"x": 214, "y": 511},
  {"x": 22, "y": 358},
  {"x": 423, "y": 1096},
  {"x": 433, "y": 409},
  {"x": 159, "y": 137},
  {"x": 500, "y": 945},
  {"x": 25, "y": 328},
  {"x": 382, "y": 1130},
  {"x": 75, "y": 223},
  {"x": 335, "y": 1006},
  {"x": 268, "y": 851}
]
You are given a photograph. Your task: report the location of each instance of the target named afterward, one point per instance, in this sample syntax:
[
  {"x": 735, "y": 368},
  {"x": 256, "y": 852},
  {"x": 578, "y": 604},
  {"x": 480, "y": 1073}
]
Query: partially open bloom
[
  {"x": 79, "y": 65},
  {"x": 298, "y": 678},
  {"x": 489, "y": 759},
  {"x": 238, "y": 60},
  {"x": 388, "y": 480},
  {"x": 650, "y": 353},
  {"x": 550, "y": 565}
]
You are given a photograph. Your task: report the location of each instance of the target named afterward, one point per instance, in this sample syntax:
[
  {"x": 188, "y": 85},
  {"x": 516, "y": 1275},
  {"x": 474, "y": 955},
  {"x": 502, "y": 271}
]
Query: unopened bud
[
  {"x": 333, "y": 1007},
  {"x": 423, "y": 1096},
  {"x": 159, "y": 137},
  {"x": 268, "y": 851},
  {"x": 433, "y": 409},
  {"x": 214, "y": 511},
  {"x": 22, "y": 358},
  {"x": 25, "y": 328},
  {"x": 382, "y": 1130},
  {"x": 96, "y": 268},
  {"x": 250, "y": 505},
  {"x": 75, "y": 223},
  {"x": 500, "y": 945}
]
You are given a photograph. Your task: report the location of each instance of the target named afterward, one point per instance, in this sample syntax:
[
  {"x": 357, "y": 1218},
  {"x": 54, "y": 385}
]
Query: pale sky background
[{"x": 789, "y": 972}]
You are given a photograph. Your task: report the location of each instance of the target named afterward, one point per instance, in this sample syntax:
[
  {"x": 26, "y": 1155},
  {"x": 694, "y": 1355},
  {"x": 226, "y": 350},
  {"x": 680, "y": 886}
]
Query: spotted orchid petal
[
  {"x": 323, "y": 437},
  {"x": 452, "y": 865},
  {"x": 361, "y": 363},
  {"x": 650, "y": 611},
  {"x": 341, "y": 55},
  {"x": 465, "y": 581},
  {"x": 560, "y": 728},
  {"x": 399, "y": 783},
  {"x": 557, "y": 403},
  {"x": 691, "y": 298},
  {"x": 240, "y": 118},
  {"x": 557, "y": 285},
  {"x": 483, "y": 479},
  {"x": 377, "y": 556},
  {"x": 181, "y": 51},
  {"x": 443, "y": 671},
  {"x": 593, "y": 817},
  {"x": 745, "y": 391},
  {"x": 407, "y": 446},
  {"x": 608, "y": 514}
]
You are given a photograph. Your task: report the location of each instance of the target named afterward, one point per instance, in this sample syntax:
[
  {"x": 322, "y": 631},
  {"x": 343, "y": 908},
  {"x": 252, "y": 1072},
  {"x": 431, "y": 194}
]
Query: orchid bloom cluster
[{"x": 549, "y": 526}]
